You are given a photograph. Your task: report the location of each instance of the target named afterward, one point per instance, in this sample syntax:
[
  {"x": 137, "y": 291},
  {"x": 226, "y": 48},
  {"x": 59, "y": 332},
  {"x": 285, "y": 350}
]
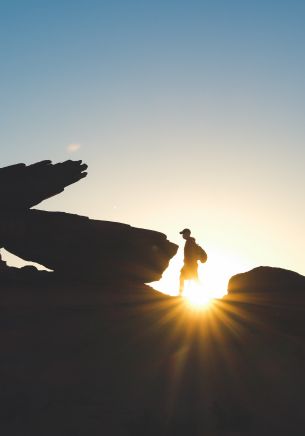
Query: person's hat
[{"x": 185, "y": 231}]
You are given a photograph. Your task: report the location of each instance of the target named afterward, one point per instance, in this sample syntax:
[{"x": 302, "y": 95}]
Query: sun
[{"x": 196, "y": 296}]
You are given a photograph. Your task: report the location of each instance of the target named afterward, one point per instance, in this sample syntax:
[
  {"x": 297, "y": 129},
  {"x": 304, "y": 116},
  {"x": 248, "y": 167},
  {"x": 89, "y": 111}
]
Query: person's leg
[
  {"x": 182, "y": 278},
  {"x": 181, "y": 285}
]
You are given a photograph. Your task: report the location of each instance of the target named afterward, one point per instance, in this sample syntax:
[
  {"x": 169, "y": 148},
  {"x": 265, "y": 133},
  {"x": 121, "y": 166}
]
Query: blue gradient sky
[{"x": 188, "y": 113}]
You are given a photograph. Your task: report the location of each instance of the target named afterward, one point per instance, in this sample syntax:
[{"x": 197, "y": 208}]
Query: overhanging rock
[
  {"x": 22, "y": 186},
  {"x": 72, "y": 245}
]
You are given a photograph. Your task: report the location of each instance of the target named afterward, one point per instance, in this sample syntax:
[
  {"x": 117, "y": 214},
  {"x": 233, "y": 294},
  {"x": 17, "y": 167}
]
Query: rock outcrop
[
  {"x": 267, "y": 280},
  {"x": 71, "y": 245},
  {"x": 22, "y": 186}
]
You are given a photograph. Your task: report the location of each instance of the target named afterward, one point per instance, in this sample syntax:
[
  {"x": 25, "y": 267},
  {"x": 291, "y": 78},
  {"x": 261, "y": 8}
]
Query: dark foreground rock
[{"x": 130, "y": 361}]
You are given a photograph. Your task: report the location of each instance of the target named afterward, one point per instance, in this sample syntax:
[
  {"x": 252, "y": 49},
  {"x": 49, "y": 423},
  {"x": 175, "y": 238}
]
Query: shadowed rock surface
[
  {"x": 267, "y": 280},
  {"x": 129, "y": 361},
  {"x": 71, "y": 245}
]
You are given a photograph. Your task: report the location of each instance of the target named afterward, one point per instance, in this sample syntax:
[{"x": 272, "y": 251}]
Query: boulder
[{"x": 267, "y": 280}]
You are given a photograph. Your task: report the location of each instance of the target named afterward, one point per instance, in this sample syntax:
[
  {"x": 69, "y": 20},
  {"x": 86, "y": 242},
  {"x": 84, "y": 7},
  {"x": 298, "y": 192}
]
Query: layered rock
[
  {"x": 22, "y": 186},
  {"x": 71, "y": 245},
  {"x": 93, "y": 250}
]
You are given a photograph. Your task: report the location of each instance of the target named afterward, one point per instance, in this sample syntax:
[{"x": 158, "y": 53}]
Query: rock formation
[
  {"x": 75, "y": 360},
  {"x": 71, "y": 245},
  {"x": 22, "y": 187},
  {"x": 267, "y": 280}
]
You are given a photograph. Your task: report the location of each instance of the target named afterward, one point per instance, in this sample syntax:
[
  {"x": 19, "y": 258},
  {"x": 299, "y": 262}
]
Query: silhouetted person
[{"x": 189, "y": 271}]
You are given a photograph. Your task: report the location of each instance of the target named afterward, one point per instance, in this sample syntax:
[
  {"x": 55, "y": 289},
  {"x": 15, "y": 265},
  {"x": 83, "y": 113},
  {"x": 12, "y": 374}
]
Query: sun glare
[
  {"x": 213, "y": 276},
  {"x": 196, "y": 296}
]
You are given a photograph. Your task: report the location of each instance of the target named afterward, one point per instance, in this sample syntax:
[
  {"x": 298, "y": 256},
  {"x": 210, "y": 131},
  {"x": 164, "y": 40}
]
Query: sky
[{"x": 188, "y": 114}]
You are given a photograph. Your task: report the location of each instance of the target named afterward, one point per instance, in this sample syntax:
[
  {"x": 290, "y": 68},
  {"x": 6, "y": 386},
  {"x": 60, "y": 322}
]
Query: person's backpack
[{"x": 201, "y": 254}]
